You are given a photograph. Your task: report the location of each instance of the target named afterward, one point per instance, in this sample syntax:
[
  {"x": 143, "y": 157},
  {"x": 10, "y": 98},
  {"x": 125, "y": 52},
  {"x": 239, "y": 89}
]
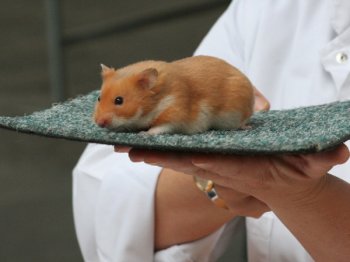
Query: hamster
[{"x": 185, "y": 96}]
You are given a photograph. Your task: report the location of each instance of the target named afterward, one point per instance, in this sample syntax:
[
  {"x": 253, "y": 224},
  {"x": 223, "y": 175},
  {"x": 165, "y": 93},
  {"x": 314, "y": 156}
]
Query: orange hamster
[{"x": 185, "y": 96}]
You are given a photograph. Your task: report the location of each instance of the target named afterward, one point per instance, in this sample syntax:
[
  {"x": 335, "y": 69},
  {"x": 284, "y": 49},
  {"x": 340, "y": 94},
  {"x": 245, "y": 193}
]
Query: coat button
[{"x": 341, "y": 57}]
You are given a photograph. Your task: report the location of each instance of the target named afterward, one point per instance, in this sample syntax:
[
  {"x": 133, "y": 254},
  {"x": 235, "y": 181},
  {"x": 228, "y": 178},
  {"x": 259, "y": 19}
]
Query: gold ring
[{"x": 207, "y": 186}]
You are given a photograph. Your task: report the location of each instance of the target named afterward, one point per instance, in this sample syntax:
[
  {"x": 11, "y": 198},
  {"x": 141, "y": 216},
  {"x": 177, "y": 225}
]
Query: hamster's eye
[
  {"x": 98, "y": 98},
  {"x": 118, "y": 100}
]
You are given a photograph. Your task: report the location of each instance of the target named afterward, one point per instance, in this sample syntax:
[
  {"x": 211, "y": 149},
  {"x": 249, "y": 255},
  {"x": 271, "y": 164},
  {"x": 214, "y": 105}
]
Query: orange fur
[{"x": 185, "y": 92}]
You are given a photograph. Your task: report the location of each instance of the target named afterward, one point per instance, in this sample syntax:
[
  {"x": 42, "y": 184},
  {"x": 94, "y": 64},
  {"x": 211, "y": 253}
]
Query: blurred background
[{"x": 36, "y": 221}]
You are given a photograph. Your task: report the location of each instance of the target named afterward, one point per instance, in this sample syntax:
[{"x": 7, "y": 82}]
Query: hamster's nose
[{"x": 102, "y": 122}]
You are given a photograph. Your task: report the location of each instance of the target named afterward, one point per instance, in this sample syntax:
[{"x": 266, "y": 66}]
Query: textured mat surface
[{"x": 308, "y": 129}]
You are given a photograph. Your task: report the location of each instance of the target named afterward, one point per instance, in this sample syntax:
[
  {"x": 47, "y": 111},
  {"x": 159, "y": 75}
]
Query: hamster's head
[{"x": 125, "y": 98}]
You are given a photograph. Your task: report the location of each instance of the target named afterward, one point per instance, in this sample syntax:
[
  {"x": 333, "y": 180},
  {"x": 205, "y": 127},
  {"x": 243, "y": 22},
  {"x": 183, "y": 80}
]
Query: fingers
[
  {"x": 181, "y": 162},
  {"x": 157, "y": 157},
  {"x": 253, "y": 175},
  {"x": 240, "y": 203},
  {"x": 176, "y": 161},
  {"x": 121, "y": 149},
  {"x": 153, "y": 156},
  {"x": 337, "y": 156},
  {"x": 290, "y": 166},
  {"x": 318, "y": 164},
  {"x": 230, "y": 165},
  {"x": 261, "y": 103},
  {"x": 224, "y": 170}
]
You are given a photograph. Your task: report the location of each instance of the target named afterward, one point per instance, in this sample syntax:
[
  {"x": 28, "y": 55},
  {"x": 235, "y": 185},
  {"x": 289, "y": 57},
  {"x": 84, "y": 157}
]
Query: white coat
[{"x": 296, "y": 52}]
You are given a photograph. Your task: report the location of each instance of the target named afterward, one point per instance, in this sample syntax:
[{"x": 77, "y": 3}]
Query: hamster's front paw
[
  {"x": 158, "y": 130},
  {"x": 144, "y": 133}
]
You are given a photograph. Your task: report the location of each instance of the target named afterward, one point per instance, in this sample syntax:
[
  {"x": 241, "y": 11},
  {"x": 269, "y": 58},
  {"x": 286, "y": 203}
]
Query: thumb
[{"x": 261, "y": 103}]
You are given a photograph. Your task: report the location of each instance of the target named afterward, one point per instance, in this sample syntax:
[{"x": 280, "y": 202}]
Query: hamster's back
[
  {"x": 217, "y": 82},
  {"x": 205, "y": 67}
]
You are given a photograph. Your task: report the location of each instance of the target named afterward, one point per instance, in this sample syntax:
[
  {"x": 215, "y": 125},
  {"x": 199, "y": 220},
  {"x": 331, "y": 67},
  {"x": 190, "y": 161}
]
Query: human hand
[
  {"x": 239, "y": 204},
  {"x": 255, "y": 179},
  {"x": 269, "y": 177}
]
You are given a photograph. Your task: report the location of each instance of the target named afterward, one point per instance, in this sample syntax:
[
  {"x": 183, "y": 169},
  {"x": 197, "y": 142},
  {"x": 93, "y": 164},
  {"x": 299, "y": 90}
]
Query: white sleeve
[
  {"x": 201, "y": 250},
  {"x": 224, "y": 39},
  {"x": 113, "y": 202}
]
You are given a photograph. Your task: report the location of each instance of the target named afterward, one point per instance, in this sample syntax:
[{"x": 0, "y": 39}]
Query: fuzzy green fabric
[{"x": 301, "y": 130}]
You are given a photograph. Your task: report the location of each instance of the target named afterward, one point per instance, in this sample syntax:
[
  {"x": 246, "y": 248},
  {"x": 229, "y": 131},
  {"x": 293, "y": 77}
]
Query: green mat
[{"x": 301, "y": 130}]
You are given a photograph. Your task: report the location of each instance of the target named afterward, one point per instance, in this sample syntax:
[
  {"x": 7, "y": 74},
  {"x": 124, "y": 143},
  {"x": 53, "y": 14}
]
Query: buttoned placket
[
  {"x": 335, "y": 59},
  {"x": 335, "y": 56}
]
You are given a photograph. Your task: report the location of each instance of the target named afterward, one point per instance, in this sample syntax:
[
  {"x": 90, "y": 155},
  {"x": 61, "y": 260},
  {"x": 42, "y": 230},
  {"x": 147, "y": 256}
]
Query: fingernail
[
  {"x": 122, "y": 149},
  {"x": 266, "y": 106},
  {"x": 261, "y": 104},
  {"x": 201, "y": 165},
  {"x": 152, "y": 163},
  {"x": 136, "y": 159},
  {"x": 200, "y": 162},
  {"x": 138, "y": 155}
]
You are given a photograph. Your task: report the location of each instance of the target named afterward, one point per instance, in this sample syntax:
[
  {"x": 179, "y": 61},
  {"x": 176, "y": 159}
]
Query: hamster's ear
[
  {"x": 147, "y": 78},
  {"x": 106, "y": 71}
]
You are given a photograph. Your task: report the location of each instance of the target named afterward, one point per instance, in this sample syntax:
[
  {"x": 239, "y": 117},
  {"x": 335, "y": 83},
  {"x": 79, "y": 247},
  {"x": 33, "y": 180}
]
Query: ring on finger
[{"x": 208, "y": 187}]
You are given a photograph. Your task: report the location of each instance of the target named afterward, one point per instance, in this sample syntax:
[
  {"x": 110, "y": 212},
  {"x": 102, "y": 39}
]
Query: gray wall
[{"x": 36, "y": 221}]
